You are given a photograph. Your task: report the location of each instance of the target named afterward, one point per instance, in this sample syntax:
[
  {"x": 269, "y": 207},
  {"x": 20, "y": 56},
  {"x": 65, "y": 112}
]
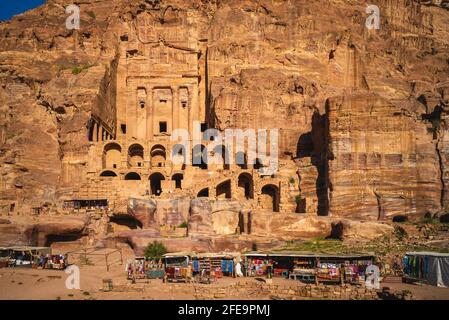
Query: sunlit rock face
[{"x": 86, "y": 115}]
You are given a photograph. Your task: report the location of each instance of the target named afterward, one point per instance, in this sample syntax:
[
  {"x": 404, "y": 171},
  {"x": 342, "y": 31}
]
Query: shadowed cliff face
[{"x": 361, "y": 112}]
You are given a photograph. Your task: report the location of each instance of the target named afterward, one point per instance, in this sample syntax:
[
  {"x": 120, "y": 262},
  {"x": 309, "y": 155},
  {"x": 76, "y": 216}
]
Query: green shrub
[
  {"x": 91, "y": 14},
  {"x": 78, "y": 69},
  {"x": 298, "y": 199},
  {"x": 155, "y": 250},
  {"x": 183, "y": 225}
]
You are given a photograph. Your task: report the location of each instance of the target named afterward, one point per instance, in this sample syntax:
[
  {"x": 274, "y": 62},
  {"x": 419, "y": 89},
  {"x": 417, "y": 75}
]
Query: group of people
[{"x": 49, "y": 261}]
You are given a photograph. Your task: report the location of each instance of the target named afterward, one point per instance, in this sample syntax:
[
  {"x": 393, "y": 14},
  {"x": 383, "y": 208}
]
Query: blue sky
[{"x": 9, "y": 8}]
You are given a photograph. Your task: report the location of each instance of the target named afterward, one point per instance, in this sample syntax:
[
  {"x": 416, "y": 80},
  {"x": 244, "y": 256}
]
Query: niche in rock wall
[
  {"x": 141, "y": 113},
  {"x": 184, "y": 107},
  {"x": 162, "y": 113},
  {"x": 124, "y": 222},
  {"x": 62, "y": 242}
]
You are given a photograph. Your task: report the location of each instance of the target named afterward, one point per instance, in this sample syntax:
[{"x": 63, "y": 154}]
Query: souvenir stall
[
  {"x": 328, "y": 272},
  {"x": 178, "y": 267},
  {"x": 342, "y": 268},
  {"x": 142, "y": 268},
  {"x": 304, "y": 269},
  {"x": 215, "y": 265},
  {"x": 428, "y": 267},
  {"x": 309, "y": 267},
  {"x": 26, "y": 256},
  {"x": 257, "y": 264},
  {"x": 4, "y": 257},
  {"x": 154, "y": 270},
  {"x": 135, "y": 268}
]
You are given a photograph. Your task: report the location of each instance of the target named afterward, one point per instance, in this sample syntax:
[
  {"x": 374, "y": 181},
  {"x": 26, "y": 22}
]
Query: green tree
[
  {"x": 155, "y": 250},
  {"x": 183, "y": 225}
]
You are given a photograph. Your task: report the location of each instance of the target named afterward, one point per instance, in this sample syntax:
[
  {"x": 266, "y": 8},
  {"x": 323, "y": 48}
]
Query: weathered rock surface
[
  {"x": 144, "y": 210},
  {"x": 173, "y": 212},
  {"x": 42, "y": 233},
  {"x": 347, "y": 229},
  {"x": 200, "y": 220},
  {"x": 363, "y": 114}
]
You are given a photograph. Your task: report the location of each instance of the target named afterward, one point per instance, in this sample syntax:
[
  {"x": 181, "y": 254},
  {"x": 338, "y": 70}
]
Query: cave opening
[
  {"x": 400, "y": 218},
  {"x": 58, "y": 238},
  {"x": 127, "y": 221}
]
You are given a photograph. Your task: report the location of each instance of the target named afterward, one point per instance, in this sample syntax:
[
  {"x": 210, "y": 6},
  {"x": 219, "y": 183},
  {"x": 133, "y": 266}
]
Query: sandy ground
[
  {"x": 33, "y": 284},
  {"x": 24, "y": 283}
]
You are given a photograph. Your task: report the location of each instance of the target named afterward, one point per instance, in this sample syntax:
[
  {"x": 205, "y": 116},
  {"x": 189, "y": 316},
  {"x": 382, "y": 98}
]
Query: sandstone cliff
[{"x": 363, "y": 113}]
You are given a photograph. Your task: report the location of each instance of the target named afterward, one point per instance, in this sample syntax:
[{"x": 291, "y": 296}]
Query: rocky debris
[
  {"x": 5, "y": 221},
  {"x": 286, "y": 292},
  {"x": 347, "y": 229}
]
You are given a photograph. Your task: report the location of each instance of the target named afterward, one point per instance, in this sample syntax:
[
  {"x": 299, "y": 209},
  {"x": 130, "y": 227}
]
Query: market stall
[
  {"x": 143, "y": 268},
  {"x": 257, "y": 264},
  {"x": 215, "y": 265},
  {"x": 178, "y": 267},
  {"x": 23, "y": 256},
  {"x": 428, "y": 267},
  {"x": 309, "y": 267},
  {"x": 52, "y": 261}
]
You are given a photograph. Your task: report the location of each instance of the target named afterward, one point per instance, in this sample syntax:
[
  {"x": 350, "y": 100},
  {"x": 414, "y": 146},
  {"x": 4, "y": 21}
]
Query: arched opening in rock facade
[
  {"x": 133, "y": 176},
  {"x": 305, "y": 145},
  {"x": 108, "y": 174},
  {"x": 204, "y": 193},
  {"x": 158, "y": 156},
  {"x": 135, "y": 155},
  {"x": 112, "y": 153},
  {"x": 223, "y": 190},
  {"x": 241, "y": 160},
  {"x": 177, "y": 178},
  {"x": 246, "y": 185},
  {"x": 270, "y": 197},
  {"x": 199, "y": 156},
  {"x": 156, "y": 183}
]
